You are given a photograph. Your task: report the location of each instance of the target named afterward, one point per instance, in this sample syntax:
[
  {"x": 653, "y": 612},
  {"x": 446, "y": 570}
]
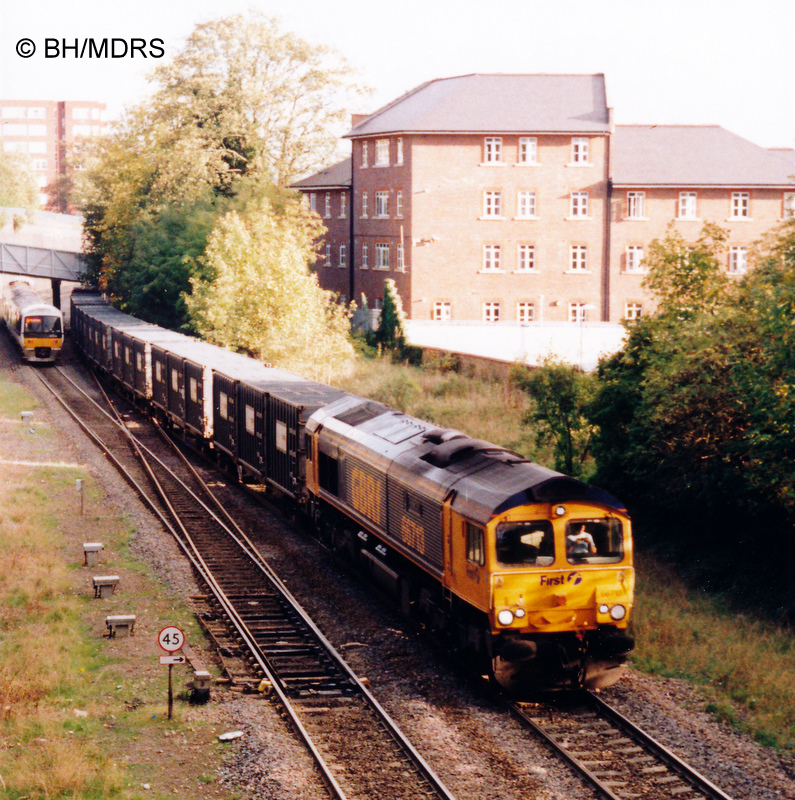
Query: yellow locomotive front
[{"x": 561, "y": 584}]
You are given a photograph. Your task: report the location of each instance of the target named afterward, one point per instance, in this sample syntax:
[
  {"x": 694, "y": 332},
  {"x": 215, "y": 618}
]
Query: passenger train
[
  {"x": 524, "y": 570},
  {"x": 35, "y": 326}
]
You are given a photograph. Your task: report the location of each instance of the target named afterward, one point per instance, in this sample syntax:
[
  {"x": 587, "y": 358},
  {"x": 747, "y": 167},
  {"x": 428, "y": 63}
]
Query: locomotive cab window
[
  {"x": 594, "y": 541},
  {"x": 525, "y": 543},
  {"x": 476, "y": 552},
  {"x": 44, "y": 325}
]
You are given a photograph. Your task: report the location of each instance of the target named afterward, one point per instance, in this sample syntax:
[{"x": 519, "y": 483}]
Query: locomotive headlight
[
  {"x": 604, "y": 608},
  {"x": 519, "y": 613},
  {"x": 560, "y": 511},
  {"x": 618, "y": 612},
  {"x": 505, "y": 617}
]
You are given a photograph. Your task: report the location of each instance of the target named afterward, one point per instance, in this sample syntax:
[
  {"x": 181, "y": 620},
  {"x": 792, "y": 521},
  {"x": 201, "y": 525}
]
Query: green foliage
[
  {"x": 390, "y": 335},
  {"x": 259, "y": 297},
  {"x": 695, "y": 416},
  {"x": 244, "y": 107},
  {"x": 17, "y": 186},
  {"x": 559, "y": 396}
]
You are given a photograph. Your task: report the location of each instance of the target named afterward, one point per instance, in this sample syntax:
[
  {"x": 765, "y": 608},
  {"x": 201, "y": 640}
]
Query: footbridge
[{"x": 41, "y": 245}]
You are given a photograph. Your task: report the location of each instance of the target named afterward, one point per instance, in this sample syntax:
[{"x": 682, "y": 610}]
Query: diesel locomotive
[
  {"x": 35, "y": 326},
  {"x": 525, "y": 571}
]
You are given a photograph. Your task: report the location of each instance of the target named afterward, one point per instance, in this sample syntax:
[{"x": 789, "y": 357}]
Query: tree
[
  {"x": 259, "y": 296},
  {"x": 242, "y": 106},
  {"x": 390, "y": 334},
  {"x": 559, "y": 396},
  {"x": 17, "y": 186}
]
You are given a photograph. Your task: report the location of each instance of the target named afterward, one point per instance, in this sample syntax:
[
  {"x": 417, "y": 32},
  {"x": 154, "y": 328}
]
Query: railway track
[
  {"x": 265, "y": 638},
  {"x": 613, "y": 755}
]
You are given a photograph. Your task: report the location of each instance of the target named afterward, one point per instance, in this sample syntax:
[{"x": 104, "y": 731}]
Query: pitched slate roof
[
  {"x": 337, "y": 176},
  {"x": 495, "y": 104},
  {"x": 698, "y": 155}
]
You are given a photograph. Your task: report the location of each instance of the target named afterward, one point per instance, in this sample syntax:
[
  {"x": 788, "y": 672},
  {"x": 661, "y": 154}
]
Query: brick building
[
  {"x": 514, "y": 198},
  {"x": 49, "y": 132}
]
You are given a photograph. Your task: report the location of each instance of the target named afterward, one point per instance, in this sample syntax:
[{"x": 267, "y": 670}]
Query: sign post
[{"x": 171, "y": 639}]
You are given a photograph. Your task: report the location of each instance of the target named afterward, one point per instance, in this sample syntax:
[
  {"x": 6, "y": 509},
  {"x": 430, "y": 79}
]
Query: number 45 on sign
[{"x": 171, "y": 639}]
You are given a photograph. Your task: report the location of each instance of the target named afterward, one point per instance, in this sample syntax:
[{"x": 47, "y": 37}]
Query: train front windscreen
[{"x": 43, "y": 326}]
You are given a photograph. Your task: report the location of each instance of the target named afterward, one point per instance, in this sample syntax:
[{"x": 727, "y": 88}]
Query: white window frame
[
  {"x": 313, "y": 202},
  {"x": 343, "y": 205},
  {"x": 634, "y": 258},
  {"x": 492, "y": 258},
  {"x": 491, "y": 311},
  {"x": 741, "y": 205},
  {"x": 577, "y": 312},
  {"x": 364, "y": 154},
  {"x": 399, "y": 203},
  {"x": 343, "y": 262},
  {"x": 327, "y": 209},
  {"x": 381, "y": 256},
  {"x": 525, "y": 311},
  {"x": 401, "y": 264},
  {"x": 492, "y": 150},
  {"x": 399, "y": 151},
  {"x": 381, "y": 153},
  {"x": 636, "y": 205},
  {"x": 579, "y": 205},
  {"x": 688, "y": 205},
  {"x": 633, "y": 310},
  {"x": 328, "y": 254},
  {"x": 526, "y": 258},
  {"x": 526, "y": 204},
  {"x": 788, "y": 205},
  {"x": 381, "y": 204},
  {"x": 492, "y": 204},
  {"x": 578, "y": 258},
  {"x": 528, "y": 150},
  {"x": 365, "y": 255},
  {"x": 580, "y": 150},
  {"x": 442, "y": 311},
  {"x": 365, "y": 204},
  {"x": 738, "y": 259}
]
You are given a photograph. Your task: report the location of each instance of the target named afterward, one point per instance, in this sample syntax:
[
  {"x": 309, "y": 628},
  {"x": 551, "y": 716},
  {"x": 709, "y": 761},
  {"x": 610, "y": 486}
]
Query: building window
[
  {"x": 526, "y": 204},
  {"x": 578, "y": 258},
  {"x": 365, "y": 255},
  {"x": 492, "y": 204},
  {"x": 381, "y": 256},
  {"x": 343, "y": 205},
  {"x": 789, "y": 205},
  {"x": 579, "y": 150},
  {"x": 313, "y": 202},
  {"x": 492, "y": 150},
  {"x": 40, "y": 163},
  {"x": 328, "y": 205},
  {"x": 636, "y": 205},
  {"x": 633, "y": 311},
  {"x": 442, "y": 311},
  {"x": 687, "y": 205},
  {"x": 399, "y": 204},
  {"x": 364, "y": 154},
  {"x": 382, "y": 152},
  {"x": 526, "y": 261},
  {"x": 634, "y": 258},
  {"x": 328, "y": 254},
  {"x": 578, "y": 312},
  {"x": 579, "y": 204},
  {"x": 491, "y": 258},
  {"x": 382, "y": 204},
  {"x": 343, "y": 255},
  {"x": 741, "y": 204},
  {"x": 364, "y": 205},
  {"x": 525, "y": 312},
  {"x": 528, "y": 150},
  {"x": 738, "y": 260},
  {"x": 401, "y": 265},
  {"x": 491, "y": 312},
  {"x": 399, "y": 151}
]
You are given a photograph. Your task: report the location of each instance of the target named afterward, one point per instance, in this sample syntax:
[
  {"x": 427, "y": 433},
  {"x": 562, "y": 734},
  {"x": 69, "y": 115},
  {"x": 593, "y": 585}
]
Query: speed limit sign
[{"x": 171, "y": 639}]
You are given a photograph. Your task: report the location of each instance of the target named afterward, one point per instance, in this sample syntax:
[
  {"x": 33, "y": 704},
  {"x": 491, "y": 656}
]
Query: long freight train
[
  {"x": 527, "y": 571},
  {"x": 35, "y": 326}
]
